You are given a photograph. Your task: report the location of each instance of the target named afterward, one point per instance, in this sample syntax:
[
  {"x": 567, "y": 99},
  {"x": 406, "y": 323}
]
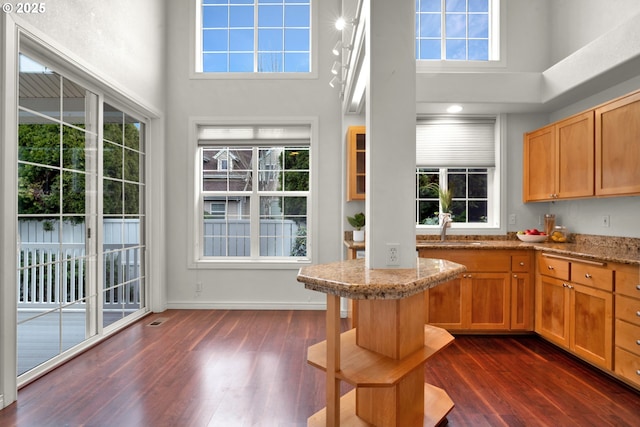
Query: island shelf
[{"x": 383, "y": 358}]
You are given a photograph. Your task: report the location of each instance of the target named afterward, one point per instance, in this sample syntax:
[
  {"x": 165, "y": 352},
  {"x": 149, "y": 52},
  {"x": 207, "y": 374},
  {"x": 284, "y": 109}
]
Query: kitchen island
[{"x": 384, "y": 357}]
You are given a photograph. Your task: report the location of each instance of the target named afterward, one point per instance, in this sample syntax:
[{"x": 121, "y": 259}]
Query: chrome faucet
[{"x": 445, "y": 222}]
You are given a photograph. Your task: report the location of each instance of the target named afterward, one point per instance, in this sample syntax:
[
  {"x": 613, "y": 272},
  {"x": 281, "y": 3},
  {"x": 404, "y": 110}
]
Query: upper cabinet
[
  {"x": 594, "y": 153},
  {"x": 618, "y": 147},
  {"x": 356, "y": 163},
  {"x": 559, "y": 160}
]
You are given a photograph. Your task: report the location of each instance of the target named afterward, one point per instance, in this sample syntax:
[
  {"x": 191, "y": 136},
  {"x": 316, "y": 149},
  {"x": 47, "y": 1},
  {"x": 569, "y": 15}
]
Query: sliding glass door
[
  {"x": 80, "y": 215},
  {"x": 123, "y": 220},
  {"x": 57, "y": 178}
]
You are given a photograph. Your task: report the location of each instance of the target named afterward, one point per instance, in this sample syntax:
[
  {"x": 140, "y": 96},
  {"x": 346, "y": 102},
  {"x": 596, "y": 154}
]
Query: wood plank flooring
[{"x": 248, "y": 368}]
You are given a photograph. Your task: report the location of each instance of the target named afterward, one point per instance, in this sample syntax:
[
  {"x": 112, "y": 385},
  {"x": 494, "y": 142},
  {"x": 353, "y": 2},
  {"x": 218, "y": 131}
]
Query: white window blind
[
  {"x": 446, "y": 143},
  {"x": 253, "y": 135}
]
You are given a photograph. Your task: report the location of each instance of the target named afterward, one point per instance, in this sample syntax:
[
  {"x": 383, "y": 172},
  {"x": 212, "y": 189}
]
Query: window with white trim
[
  {"x": 459, "y": 30},
  {"x": 258, "y": 206},
  {"x": 254, "y": 36},
  {"x": 457, "y": 155}
]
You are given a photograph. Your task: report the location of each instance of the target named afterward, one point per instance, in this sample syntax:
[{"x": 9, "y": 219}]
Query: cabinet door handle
[
  {"x": 515, "y": 276},
  {"x": 638, "y": 342},
  {"x": 638, "y": 287},
  {"x": 564, "y": 285},
  {"x": 550, "y": 267},
  {"x": 638, "y": 313},
  {"x": 587, "y": 275},
  {"x": 638, "y": 372},
  {"x": 521, "y": 264}
]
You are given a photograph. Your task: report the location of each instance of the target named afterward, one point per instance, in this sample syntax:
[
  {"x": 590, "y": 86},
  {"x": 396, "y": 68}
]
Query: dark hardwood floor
[{"x": 248, "y": 368}]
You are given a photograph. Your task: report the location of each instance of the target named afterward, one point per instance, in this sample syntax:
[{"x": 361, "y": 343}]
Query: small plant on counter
[{"x": 356, "y": 221}]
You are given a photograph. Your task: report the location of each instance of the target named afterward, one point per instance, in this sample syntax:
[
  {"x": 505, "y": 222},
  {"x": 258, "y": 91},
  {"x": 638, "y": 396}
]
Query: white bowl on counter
[{"x": 532, "y": 238}]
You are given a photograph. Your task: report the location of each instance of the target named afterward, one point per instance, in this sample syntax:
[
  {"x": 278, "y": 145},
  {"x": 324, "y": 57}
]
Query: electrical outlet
[
  {"x": 605, "y": 221},
  {"x": 512, "y": 219},
  {"x": 393, "y": 254}
]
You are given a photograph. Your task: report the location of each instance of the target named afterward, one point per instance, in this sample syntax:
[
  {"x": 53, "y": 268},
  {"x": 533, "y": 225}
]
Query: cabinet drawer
[
  {"x": 628, "y": 336},
  {"x": 521, "y": 263},
  {"x": 628, "y": 365},
  {"x": 553, "y": 267},
  {"x": 628, "y": 280},
  {"x": 592, "y": 275},
  {"x": 628, "y": 309}
]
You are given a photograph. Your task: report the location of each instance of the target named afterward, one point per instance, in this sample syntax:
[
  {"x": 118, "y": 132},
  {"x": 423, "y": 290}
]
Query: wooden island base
[
  {"x": 390, "y": 391},
  {"x": 437, "y": 405},
  {"x": 384, "y": 357}
]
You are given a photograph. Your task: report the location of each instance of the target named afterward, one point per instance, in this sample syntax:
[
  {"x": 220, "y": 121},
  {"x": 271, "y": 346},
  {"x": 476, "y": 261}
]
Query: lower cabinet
[
  {"x": 573, "y": 315},
  {"x": 627, "y": 324},
  {"x": 495, "y": 294}
]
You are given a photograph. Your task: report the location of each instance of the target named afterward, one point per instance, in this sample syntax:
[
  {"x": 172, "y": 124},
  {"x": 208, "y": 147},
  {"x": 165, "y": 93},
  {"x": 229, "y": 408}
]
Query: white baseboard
[{"x": 1, "y": 401}]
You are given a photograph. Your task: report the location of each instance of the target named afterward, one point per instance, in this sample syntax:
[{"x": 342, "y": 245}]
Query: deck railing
[{"x": 54, "y": 274}]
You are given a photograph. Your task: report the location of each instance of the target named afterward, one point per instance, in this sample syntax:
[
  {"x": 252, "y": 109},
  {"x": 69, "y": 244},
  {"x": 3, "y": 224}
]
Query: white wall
[
  {"x": 251, "y": 287},
  {"x": 576, "y": 23},
  {"x": 122, "y": 40}
]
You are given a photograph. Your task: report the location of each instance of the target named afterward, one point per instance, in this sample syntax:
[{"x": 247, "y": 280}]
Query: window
[
  {"x": 461, "y": 30},
  {"x": 254, "y": 36},
  {"x": 470, "y": 194},
  {"x": 258, "y": 206},
  {"x": 457, "y": 155}
]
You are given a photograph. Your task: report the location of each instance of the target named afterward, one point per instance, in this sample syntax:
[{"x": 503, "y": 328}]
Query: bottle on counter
[{"x": 549, "y": 224}]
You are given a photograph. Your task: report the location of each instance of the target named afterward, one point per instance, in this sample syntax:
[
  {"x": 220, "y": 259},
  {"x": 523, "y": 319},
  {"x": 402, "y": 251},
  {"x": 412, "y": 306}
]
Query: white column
[{"x": 391, "y": 131}]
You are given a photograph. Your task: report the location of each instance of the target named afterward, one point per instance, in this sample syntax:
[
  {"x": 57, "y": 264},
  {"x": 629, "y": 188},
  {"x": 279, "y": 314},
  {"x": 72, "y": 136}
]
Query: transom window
[
  {"x": 254, "y": 36},
  {"x": 462, "y": 30},
  {"x": 257, "y": 207}
]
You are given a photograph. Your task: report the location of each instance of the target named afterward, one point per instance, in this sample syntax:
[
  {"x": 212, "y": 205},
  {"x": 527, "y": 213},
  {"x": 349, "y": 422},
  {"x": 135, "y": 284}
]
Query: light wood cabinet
[
  {"x": 574, "y": 306},
  {"x": 627, "y": 324},
  {"x": 617, "y": 149},
  {"x": 552, "y": 310},
  {"x": 591, "y": 154},
  {"x": 559, "y": 160},
  {"x": 522, "y": 292},
  {"x": 356, "y": 163},
  {"x": 488, "y": 297},
  {"x": 539, "y": 169}
]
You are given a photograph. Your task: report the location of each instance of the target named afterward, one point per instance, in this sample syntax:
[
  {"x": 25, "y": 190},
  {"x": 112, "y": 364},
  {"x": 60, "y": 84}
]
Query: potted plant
[
  {"x": 445, "y": 196},
  {"x": 357, "y": 222}
]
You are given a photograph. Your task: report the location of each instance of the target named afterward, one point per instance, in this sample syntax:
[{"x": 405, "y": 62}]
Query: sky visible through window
[
  {"x": 256, "y": 36},
  {"x": 452, "y": 30}
]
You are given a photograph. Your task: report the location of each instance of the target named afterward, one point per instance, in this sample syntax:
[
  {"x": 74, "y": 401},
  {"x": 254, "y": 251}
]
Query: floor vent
[{"x": 159, "y": 321}]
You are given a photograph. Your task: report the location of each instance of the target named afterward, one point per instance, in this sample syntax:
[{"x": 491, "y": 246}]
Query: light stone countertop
[
  {"x": 351, "y": 279},
  {"x": 601, "y": 248}
]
